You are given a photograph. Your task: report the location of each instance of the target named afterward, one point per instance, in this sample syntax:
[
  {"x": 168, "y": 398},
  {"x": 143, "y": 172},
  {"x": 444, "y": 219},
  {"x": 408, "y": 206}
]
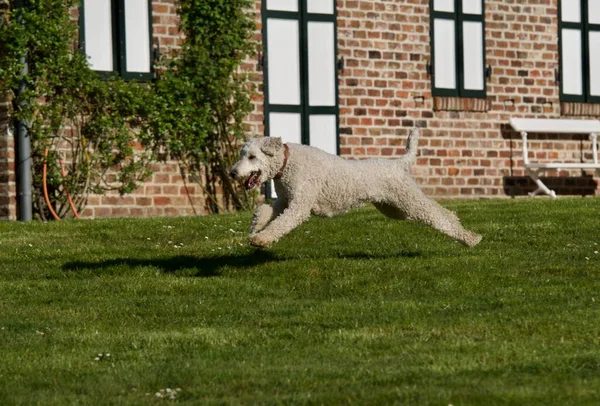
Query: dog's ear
[{"x": 271, "y": 145}]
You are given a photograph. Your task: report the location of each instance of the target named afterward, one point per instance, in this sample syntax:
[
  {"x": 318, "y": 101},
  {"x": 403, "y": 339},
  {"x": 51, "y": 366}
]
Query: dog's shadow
[
  {"x": 206, "y": 267},
  {"x": 202, "y": 266}
]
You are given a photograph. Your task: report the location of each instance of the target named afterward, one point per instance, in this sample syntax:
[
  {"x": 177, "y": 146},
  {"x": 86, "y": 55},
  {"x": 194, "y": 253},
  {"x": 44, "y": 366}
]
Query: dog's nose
[{"x": 233, "y": 174}]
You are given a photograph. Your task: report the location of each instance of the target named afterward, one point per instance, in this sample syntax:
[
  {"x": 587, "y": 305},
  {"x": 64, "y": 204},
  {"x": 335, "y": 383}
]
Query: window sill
[
  {"x": 579, "y": 109},
  {"x": 441, "y": 103}
]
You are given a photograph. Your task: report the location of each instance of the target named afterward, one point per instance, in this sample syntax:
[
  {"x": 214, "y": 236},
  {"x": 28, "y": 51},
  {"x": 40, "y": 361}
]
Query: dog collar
[{"x": 286, "y": 154}]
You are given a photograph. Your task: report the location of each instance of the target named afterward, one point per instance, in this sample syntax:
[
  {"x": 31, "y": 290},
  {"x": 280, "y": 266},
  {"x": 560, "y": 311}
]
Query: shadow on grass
[
  {"x": 210, "y": 266},
  {"x": 204, "y": 267}
]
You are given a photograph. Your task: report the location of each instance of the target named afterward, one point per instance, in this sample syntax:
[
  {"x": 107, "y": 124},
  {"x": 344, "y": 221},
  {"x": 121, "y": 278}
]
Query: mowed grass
[{"x": 353, "y": 309}]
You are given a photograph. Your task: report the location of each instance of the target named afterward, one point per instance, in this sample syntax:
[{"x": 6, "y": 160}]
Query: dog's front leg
[
  {"x": 291, "y": 218},
  {"x": 264, "y": 214}
]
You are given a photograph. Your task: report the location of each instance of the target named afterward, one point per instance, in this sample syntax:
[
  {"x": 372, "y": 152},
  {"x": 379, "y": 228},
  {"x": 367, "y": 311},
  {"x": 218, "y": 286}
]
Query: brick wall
[
  {"x": 466, "y": 150},
  {"x": 385, "y": 89}
]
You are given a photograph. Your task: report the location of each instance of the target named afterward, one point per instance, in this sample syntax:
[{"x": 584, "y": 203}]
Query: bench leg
[{"x": 541, "y": 188}]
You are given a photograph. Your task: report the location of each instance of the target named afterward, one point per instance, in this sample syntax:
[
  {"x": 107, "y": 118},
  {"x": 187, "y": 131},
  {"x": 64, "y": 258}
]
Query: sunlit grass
[{"x": 354, "y": 309}]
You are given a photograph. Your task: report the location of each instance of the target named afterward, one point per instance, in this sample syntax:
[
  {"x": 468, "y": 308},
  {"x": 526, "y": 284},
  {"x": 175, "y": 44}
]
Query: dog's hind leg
[
  {"x": 264, "y": 214},
  {"x": 431, "y": 213}
]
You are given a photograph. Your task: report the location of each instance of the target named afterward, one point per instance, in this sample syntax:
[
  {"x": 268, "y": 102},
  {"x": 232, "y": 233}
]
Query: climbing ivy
[
  {"x": 108, "y": 131},
  {"x": 98, "y": 126},
  {"x": 205, "y": 96}
]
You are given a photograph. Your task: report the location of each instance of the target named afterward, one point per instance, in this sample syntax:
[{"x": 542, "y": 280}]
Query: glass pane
[
  {"x": 283, "y": 61},
  {"x": 137, "y": 31},
  {"x": 282, "y": 5},
  {"x": 288, "y": 127},
  {"x": 570, "y": 11},
  {"x": 594, "y": 11},
  {"x": 98, "y": 34},
  {"x": 320, "y": 6},
  {"x": 594, "y": 63},
  {"x": 471, "y": 7},
  {"x": 445, "y": 54},
  {"x": 285, "y": 125},
  {"x": 321, "y": 64},
  {"x": 571, "y": 62},
  {"x": 323, "y": 132},
  {"x": 473, "y": 55},
  {"x": 444, "y": 5}
]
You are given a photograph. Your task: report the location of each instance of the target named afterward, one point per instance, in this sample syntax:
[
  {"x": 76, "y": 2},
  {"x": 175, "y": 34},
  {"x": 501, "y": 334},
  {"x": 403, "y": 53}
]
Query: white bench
[{"x": 549, "y": 125}]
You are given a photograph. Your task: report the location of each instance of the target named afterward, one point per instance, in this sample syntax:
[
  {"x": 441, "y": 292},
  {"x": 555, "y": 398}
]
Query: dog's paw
[{"x": 259, "y": 241}]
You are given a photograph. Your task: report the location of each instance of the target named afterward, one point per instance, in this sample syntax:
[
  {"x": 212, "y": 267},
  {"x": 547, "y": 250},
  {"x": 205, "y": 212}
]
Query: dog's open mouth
[{"x": 253, "y": 180}]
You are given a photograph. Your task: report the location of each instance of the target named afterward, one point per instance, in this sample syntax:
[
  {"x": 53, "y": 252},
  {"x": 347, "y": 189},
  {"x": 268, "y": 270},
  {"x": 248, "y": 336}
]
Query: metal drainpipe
[{"x": 23, "y": 150}]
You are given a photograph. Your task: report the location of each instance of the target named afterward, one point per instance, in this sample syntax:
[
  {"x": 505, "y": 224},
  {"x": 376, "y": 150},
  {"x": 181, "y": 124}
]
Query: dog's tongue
[{"x": 251, "y": 181}]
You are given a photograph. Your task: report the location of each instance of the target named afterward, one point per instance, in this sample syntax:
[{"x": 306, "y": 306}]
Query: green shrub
[
  {"x": 204, "y": 97},
  {"x": 108, "y": 131}
]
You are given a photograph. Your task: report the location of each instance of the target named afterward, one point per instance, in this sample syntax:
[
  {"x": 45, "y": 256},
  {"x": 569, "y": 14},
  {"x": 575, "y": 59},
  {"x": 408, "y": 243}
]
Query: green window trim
[
  {"x": 304, "y": 109},
  {"x": 119, "y": 30},
  {"x": 458, "y": 17},
  {"x": 585, "y": 28}
]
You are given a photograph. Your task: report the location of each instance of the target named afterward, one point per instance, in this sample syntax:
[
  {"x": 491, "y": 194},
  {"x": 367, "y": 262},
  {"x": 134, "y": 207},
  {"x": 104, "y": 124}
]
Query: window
[
  {"x": 458, "y": 48},
  {"x": 579, "y": 42},
  {"x": 117, "y": 37},
  {"x": 301, "y": 90}
]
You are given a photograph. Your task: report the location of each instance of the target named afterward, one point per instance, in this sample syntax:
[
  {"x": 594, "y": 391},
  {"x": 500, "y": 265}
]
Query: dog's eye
[{"x": 251, "y": 157}]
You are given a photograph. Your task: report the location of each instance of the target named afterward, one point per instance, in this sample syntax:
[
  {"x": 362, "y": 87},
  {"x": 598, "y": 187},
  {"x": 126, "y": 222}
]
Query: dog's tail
[{"x": 412, "y": 142}]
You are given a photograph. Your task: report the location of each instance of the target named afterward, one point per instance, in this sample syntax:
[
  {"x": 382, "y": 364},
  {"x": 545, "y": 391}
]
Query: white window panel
[
  {"x": 321, "y": 64},
  {"x": 472, "y": 7},
  {"x": 323, "y": 132},
  {"x": 445, "y": 54},
  {"x": 283, "y": 61},
  {"x": 137, "y": 36},
  {"x": 320, "y": 6},
  {"x": 443, "y": 5},
  {"x": 594, "y": 43},
  {"x": 594, "y": 11},
  {"x": 282, "y": 5},
  {"x": 572, "y": 62},
  {"x": 570, "y": 11},
  {"x": 98, "y": 34},
  {"x": 287, "y": 126},
  {"x": 473, "y": 55}
]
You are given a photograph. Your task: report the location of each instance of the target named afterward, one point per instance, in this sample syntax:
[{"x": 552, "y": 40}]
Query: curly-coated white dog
[{"x": 310, "y": 181}]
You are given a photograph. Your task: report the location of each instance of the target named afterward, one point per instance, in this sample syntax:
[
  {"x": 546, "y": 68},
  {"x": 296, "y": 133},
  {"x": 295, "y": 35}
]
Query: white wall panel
[
  {"x": 472, "y": 7},
  {"x": 443, "y": 5},
  {"x": 571, "y": 62},
  {"x": 320, "y": 6},
  {"x": 445, "y": 54},
  {"x": 473, "y": 55},
  {"x": 283, "y": 61},
  {"x": 323, "y": 132},
  {"x": 137, "y": 36},
  {"x": 594, "y": 42},
  {"x": 321, "y": 64},
  {"x": 570, "y": 11},
  {"x": 98, "y": 34},
  {"x": 287, "y": 126},
  {"x": 282, "y": 5},
  {"x": 594, "y": 11}
]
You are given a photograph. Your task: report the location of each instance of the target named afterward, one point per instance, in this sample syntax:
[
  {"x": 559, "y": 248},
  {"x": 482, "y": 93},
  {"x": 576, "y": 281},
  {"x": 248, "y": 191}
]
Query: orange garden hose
[{"x": 45, "y": 187}]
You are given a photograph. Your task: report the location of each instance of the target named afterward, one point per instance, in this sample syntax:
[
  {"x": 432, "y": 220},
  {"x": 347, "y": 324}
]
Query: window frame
[
  {"x": 458, "y": 17},
  {"x": 585, "y": 27},
  {"x": 119, "y": 50},
  {"x": 304, "y": 108}
]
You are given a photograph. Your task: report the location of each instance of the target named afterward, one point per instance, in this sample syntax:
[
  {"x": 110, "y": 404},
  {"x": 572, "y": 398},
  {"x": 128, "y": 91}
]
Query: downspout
[{"x": 23, "y": 148}]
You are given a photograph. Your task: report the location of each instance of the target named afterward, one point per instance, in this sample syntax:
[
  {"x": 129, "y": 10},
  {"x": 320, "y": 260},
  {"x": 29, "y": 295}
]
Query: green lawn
[{"x": 354, "y": 309}]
